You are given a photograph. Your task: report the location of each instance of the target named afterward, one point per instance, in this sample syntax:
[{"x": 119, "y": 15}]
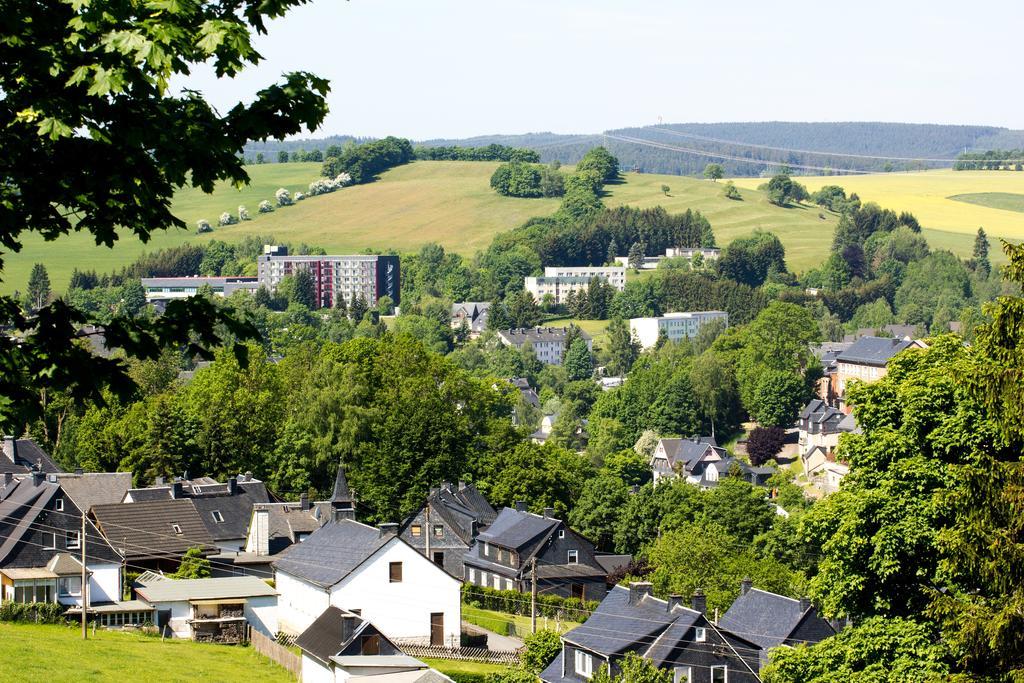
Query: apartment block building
[
  {"x": 548, "y": 342},
  {"x": 676, "y": 326},
  {"x": 364, "y": 275},
  {"x": 558, "y": 281}
]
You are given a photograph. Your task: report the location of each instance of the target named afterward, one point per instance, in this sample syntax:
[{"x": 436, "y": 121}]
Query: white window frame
[
  {"x": 572, "y": 557},
  {"x": 472, "y": 575},
  {"x": 63, "y": 582},
  {"x": 725, "y": 671},
  {"x": 58, "y": 504},
  {"x": 682, "y": 673},
  {"x": 561, "y": 533},
  {"x": 73, "y": 540},
  {"x": 217, "y": 516},
  {"x": 52, "y": 545},
  {"x": 700, "y": 634},
  {"x": 584, "y": 664},
  {"x": 176, "y": 529}
]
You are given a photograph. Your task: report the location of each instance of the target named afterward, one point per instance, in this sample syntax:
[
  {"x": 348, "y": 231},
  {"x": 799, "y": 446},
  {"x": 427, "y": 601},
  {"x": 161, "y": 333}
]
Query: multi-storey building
[
  {"x": 865, "y": 360},
  {"x": 558, "y": 281},
  {"x": 167, "y": 288},
  {"x": 675, "y": 325},
  {"x": 548, "y": 342},
  {"x": 365, "y": 276}
]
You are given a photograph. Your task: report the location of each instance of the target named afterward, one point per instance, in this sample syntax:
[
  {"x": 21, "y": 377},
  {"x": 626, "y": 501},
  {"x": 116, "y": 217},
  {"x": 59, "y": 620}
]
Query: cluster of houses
[{"x": 350, "y": 595}]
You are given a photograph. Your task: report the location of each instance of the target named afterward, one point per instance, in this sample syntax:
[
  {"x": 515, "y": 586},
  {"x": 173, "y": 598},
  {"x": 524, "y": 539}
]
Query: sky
[{"x": 457, "y": 68}]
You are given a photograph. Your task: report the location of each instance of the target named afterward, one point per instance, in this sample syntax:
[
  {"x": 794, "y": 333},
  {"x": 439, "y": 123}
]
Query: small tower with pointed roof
[{"x": 343, "y": 503}]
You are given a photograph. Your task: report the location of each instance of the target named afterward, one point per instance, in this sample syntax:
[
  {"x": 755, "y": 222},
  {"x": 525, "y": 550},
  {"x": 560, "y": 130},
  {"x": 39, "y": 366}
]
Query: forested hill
[{"x": 658, "y": 149}]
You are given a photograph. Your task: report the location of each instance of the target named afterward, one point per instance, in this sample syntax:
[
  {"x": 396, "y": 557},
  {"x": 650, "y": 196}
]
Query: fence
[
  {"x": 469, "y": 654},
  {"x": 278, "y": 653}
]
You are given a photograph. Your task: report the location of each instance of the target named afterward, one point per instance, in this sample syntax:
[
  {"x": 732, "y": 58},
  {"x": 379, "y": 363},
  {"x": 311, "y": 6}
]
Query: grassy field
[
  {"x": 500, "y": 621},
  {"x": 948, "y": 223},
  {"x": 57, "y": 654},
  {"x": 452, "y": 666},
  {"x": 1007, "y": 201},
  {"x": 450, "y": 202}
]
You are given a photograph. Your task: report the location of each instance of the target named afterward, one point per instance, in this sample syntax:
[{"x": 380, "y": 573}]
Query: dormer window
[
  {"x": 217, "y": 517},
  {"x": 584, "y": 664},
  {"x": 177, "y": 529}
]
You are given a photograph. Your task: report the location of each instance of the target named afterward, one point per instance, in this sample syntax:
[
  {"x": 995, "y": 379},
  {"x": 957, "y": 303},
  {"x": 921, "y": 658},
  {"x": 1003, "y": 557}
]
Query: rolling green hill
[
  {"x": 450, "y": 202},
  {"x": 1007, "y": 201}
]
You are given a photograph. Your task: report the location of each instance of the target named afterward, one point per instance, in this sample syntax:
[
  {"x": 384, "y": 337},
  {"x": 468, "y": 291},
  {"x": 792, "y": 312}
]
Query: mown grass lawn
[
  {"x": 499, "y": 622},
  {"x": 54, "y": 654},
  {"x": 452, "y": 666}
]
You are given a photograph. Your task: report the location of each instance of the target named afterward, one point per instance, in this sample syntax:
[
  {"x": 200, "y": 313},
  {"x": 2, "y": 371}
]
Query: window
[
  {"x": 70, "y": 585},
  {"x": 501, "y": 555},
  {"x": 417, "y": 530},
  {"x": 58, "y": 504},
  {"x": 472, "y": 575},
  {"x": 682, "y": 674},
  {"x": 438, "y": 531},
  {"x": 700, "y": 634},
  {"x": 73, "y": 539},
  {"x": 584, "y": 664},
  {"x": 369, "y": 645},
  {"x": 439, "y": 559},
  {"x": 217, "y": 517},
  {"x": 573, "y": 557},
  {"x": 177, "y": 529},
  {"x": 49, "y": 540},
  {"x": 561, "y": 533},
  {"x": 720, "y": 674},
  {"x": 395, "y": 572},
  {"x": 487, "y": 549}
]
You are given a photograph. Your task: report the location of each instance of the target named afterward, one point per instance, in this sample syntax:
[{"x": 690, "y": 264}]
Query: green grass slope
[
  {"x": 450, "y": 202},
  {"x": 1006, "y": 201},
  {"x": 61, "y": 656}
]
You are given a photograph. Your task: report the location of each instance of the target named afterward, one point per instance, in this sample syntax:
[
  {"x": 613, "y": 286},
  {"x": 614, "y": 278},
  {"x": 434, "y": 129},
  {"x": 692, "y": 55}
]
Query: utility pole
[
  {"x": 85, "y": 582},
  {"x": 533, "y": 594},
  {"x": 427, "y": 531}
]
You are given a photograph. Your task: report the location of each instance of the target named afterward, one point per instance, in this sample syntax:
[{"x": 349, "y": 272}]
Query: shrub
[
  {"x": 203, "y": 225},
  {"x": 514, "y": 602},
  {"x": 283, "y": 197},
  {"x": 764, "y": 444},
  {"x": 243, "y": 214},
  {"x": 227, "y": 219},
  {"x": 37, "y": 612},
  {"x": 299, "y": 196},
  {"x": 266, "y": 207}
]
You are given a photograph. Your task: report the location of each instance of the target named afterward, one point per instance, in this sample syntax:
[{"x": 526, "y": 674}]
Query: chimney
[
  {"x": 232, "y": 486},
  {"x": 159, "y": 481},
  {"x": 8, "y": 478},
  {"x": 248, "y": 476},
  {"x": 176, "y": 490},
  {"x": 549, "y": 513},
  {"x": 261, "y": 527},
  {"x": 184, "y": 477},
  {"x": 37, "y": 477},
  {"x": 462, "y": 486},
  {"x": 637, "y": 591},
  {"x": 304, "y": 502},
  {"x": 10, "y": 447},
  {"x": 390, "y": 529},
  {"x": 520, "y": 506},
  {"x": 699, "y": 601},
  {"x": 674, "y": 601},
  {"x": 805, "y": 604},
  {"x": 745, "y": 585}
]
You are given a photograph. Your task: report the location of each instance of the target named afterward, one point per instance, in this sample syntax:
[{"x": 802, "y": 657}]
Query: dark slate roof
[
  {"x": 460, "y": 506},
  {"x": 330, "y": 633},
  {"x": 518, "y": 336},
  {"x": 145, "y": 530},
  {"x": 690, "y": 451},
  {"x": 332, "y": 552},
  {"x": 95, "y": 488},
  {"x": 616, "y": 627},
  {"x": 235, "y": 510},
  {"x": 613, "y": 563},
  {"x": 765, "y": 619},
  {"x": 873, "y": 350},
  {"x": 18, "y": 512},
  {"x": 27, "y": 455},
  {"x": 516, "y": 530},
  {"x": 472, "y": 499}
]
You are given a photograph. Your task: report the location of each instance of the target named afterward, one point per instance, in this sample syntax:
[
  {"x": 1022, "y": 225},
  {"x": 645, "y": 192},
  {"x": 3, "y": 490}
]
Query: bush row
[
  {"x": 35, "y": 612},
  {"x": 514, "y": 602}
]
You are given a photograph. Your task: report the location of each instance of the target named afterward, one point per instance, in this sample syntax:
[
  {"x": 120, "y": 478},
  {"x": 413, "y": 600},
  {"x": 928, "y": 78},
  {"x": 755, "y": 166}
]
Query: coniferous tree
[
  {"x": 357, "y": 307},
  {"x": 578, "y": 364},
  {"x": 613, "y": 252},
  {"x": 39, "y": 286},
  {"x": 981, "y": 262}
]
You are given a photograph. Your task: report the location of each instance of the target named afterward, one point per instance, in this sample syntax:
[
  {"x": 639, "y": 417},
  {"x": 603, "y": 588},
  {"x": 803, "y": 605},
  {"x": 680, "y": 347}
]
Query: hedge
[
  {"x": 466, "y": 677},
  {"x": 514, "y": 602},
  {"x": 32, "y": 612}
]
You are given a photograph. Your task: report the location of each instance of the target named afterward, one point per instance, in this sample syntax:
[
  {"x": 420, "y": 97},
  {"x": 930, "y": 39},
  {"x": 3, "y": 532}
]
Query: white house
[
  {"x": 211, "y": 609},
  {"x": 676, "y": 326},
  {"x": 370, "y": 572},
  {"x": 341, "y": 646},
  {"x": 548, "y": 343},
  {"x": 558, "y": 281}
]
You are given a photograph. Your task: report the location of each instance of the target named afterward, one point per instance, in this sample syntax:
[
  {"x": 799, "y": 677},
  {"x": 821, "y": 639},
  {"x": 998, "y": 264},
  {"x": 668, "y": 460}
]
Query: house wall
[
  {"x": 314, "y": 671},
  {"x": 402, "y": 610},
  {"x": 719, "y": 649},
  {"x": 181, "y": 612},
  {"x": 448, "y": 543},
  {"x": 298, "y": 603},
  {"x": 261, "y": 613}
]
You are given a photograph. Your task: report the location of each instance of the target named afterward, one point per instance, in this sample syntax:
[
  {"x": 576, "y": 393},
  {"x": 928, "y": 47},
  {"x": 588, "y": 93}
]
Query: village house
[
  {"x": 214, "y": 610},
  {"x": 771, "y": 620},
  {"x": 472, "y": 314},
  {"x": 820, "y": 427},
  {"x": 865, "y": 360},
  {"x": 154, "y": 534},
  {"x": 41, "y": 546},
  {"x": 341, "y": 645},
  {"x": 445, "y": 527},
  {"x": 701, "y": 462},
  {"x": 519, "y": 543},
  {"x": 669, "y": 633},
  {"x": 548, "y": 343},
  {"x": 21, "y": 456}
]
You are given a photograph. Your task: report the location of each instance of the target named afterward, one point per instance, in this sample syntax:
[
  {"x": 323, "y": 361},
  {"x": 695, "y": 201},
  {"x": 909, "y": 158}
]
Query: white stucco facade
[
  {"x": 260, "y": 612},
  {"x": 676, "y": 326}
]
